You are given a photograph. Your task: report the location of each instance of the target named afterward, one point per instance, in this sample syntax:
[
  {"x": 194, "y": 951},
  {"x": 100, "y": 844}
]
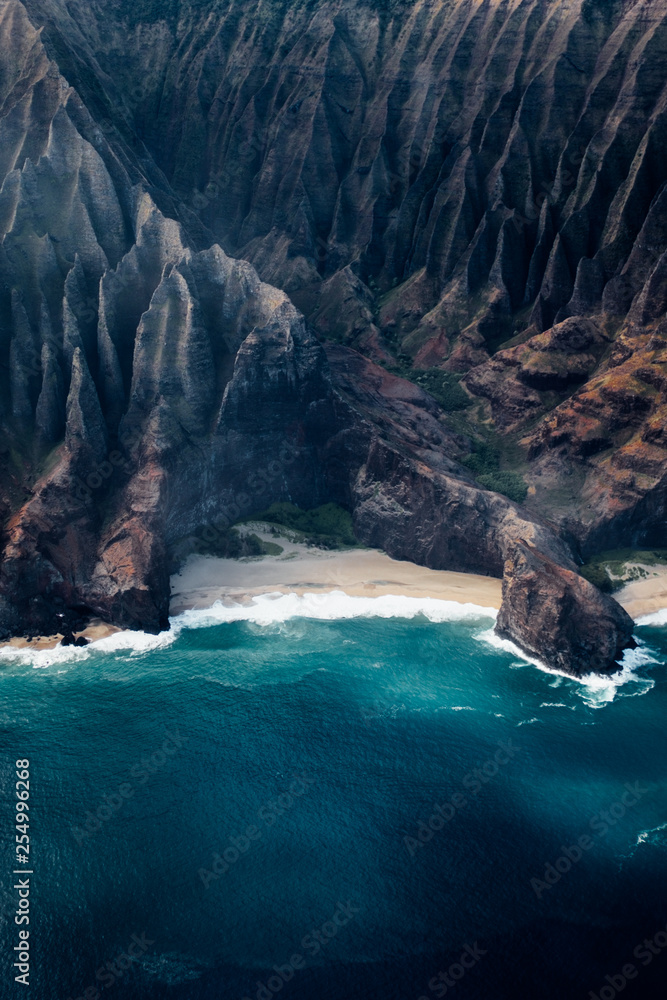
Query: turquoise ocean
[{"x": 335, "y": 798}]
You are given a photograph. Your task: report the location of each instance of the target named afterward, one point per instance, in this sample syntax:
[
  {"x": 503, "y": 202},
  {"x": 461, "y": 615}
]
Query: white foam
[
  {"x": 595, "y": 690},
  {"x": 134, "y": 643},
  {"x": 656, "y": 618},
  {"x": 264, "y": 609},
  {"x": 43, "y": 657},
  {"x": 507, "y": 646},
  {"x": 270, "y": 609},
  {"x": 648, "y": 836}
]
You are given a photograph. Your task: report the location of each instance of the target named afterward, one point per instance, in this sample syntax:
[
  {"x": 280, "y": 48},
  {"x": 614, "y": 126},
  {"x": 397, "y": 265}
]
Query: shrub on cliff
[
  {"x": 510, "y": 484},
  {"x": 328, "y": 526},
  {"x": 613, "y": 570},
  {"x": 444, "y": 387},
  {"x": 598, "y": 576}
]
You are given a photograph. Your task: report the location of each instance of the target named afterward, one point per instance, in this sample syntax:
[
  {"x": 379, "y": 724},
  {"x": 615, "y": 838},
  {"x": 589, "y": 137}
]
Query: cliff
[{"x": 472, "y": 189}]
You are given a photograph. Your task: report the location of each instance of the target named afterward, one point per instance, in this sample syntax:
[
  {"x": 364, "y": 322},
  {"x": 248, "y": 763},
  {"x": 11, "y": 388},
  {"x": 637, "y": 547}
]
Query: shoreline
[
  {"x": 95, "y": 630},
  {"x": 203, "y": 580},
  {"x": 299, "y": 569},
  {"x": 645, "y": 596}
]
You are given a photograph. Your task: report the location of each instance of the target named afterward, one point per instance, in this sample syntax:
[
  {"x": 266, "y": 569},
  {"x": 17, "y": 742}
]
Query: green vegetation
[
  {"x": 510, "y": 484},
  {"x": 610, "y": 571},
  {"x": 269, "y": 548},
  {"x": 445, "y": 389},
  {"x": 597, "y": 574},
  {"x": 483, "y": 460},
  {"x": 443, "y": 386},
  {"x": 328, "y": 527},
  {"x": 484, "y": 463},
  {"x": 225, "y": 543},
  {"x": 229, "y": 544}
]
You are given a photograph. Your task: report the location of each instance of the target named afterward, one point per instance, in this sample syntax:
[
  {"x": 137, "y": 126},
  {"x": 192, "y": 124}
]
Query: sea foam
[
  {"x": 263, "y": 609},
  {"x": 656, "y": 618},
  {"x": 656, "y": 836},
  {"x": 595, "y": 690},
  {"x": 269, "y": 609},
  {"x": 129, "y": 642}
]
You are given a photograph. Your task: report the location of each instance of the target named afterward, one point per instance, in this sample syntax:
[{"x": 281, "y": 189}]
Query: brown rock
[
  {"x": 554, "y": 614},
  {"x": 516, "y": 379}
]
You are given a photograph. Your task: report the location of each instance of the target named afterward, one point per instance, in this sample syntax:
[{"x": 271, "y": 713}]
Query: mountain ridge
[
  {"x": 125, "y": 319},
  {"x": 429, "y": 180}
]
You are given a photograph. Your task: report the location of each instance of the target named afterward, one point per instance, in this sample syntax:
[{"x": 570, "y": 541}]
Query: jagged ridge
[
  {"x": 154, "y": 385},
  {"x": 430, "y": 177}
]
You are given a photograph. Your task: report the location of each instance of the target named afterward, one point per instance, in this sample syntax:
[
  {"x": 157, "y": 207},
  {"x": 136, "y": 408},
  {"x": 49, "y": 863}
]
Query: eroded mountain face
[
  {"x": 144, "y": 380},
  {"x": 432, "y": 179},
  {"x": 475, "y": 188}
]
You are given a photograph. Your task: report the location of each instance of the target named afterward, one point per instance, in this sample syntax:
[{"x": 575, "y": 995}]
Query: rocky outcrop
[
  {"x": 433, "y": 179},
  {"x": 554, "y": 614},
  {"x": 410, "y": 495},
  {"x": 607, "y": 443},
  {"x": 151, "y": 380},
  {"x": 523, "y": 382},
  {"x": 85, "y": 430}
]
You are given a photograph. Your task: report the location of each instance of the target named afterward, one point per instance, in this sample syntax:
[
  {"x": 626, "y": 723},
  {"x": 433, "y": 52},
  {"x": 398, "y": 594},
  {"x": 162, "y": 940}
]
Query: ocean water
[{"x": 329, "y": 798}]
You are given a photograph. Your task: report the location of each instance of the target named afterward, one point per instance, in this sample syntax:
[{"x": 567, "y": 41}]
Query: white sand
[
  {"x": 643, "y": 597},
  {"x": 203, "y": 580}
]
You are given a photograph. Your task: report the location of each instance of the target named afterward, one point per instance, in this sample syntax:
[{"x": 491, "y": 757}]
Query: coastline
[
  {"x": 646, "y": 596},
  {"x": 95, "y": 630},
  {"x": 300, "y": 569},
  {"x": 204, "y": 580}
]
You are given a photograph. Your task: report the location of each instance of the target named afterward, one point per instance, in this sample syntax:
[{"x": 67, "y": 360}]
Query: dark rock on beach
[{"x": 554, "y": 614}]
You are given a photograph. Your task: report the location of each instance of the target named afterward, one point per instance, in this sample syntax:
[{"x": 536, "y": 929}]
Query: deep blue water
[{"x": 332, "y": 740}]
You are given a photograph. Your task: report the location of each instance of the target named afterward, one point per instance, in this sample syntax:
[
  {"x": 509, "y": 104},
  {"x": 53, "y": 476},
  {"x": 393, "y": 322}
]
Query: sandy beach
[
  {"x": 299, "y": 569},
  {"x": 203, "y": 580},
  {"x": 644, "y": 597}
]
